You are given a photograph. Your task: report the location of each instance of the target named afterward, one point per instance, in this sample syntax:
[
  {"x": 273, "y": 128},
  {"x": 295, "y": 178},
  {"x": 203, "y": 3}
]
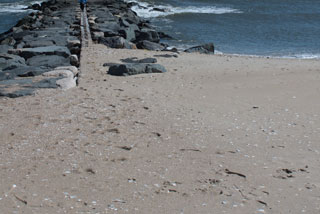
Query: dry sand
[{"x": 215, "y": 134}]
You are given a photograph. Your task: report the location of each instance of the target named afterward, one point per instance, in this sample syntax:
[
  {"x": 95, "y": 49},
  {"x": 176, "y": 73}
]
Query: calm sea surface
[{"x": 279, "y": 28}]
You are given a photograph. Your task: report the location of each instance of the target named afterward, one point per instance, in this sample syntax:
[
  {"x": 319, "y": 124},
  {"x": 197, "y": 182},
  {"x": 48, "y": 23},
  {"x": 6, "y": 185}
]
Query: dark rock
[
  {"x": 49, "y": 50},
  {"x": 205, "y": 49},
  {"x": 48, "y": 61},
  {"x": 129, "y": 33},
  {"x": 9, "y": 61},
  {"x": 117, "y": 42},
  {"x": 147, "y": 34},
  {"x": 150, "y": 46},
  {"x": 22, "y": 72},
  {"x": 114, "y": 26},
  {"x": 19, "y": 34},
  {"x": 109, "y": 64},
  {"x": 167, "y": 55},
  {"x": 109, "y": 33},
  {"x": 39, "y": 43},
  {"x": 5, "y": 48},
  {"x": 159, "y": 9},
  {"x": 8, "y": 41},
  {"x": 18, "y": 93},
  {"x": 135, "y": 60},
  {"x": 135, "y": 68},
  {"x": 155, "y": 68},
  {"x": 163, "y": 35}
]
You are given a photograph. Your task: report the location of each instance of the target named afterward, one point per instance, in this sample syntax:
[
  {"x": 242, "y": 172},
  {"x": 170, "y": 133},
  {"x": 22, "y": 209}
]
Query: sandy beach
[{"x": 214, "y": 134}]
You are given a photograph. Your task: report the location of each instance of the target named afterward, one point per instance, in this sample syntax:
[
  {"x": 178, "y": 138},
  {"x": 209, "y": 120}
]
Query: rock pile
[
  {"x": 115, "y": 25},
  {"x": 39, "y": 43}
]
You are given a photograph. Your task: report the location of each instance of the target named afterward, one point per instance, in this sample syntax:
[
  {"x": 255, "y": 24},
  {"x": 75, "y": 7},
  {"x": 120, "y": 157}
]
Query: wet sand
[{"x": 215, "y": 134}]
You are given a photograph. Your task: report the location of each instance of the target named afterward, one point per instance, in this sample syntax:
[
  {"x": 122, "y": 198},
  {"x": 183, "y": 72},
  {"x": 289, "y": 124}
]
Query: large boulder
[
  {"x": 147, "y": 34},
  {"x": 204, "y": 49},
  {"x": 152, "y": 46},
  {"x": 48, "y": 61},
  {"x": 49, "y": 50},
  {"x": 135, "y": 68},
  {"x": 39, "y": 43},
  {"x": 117, "y": 42},
  {"x": 9, "y": 61},
  {"x": 5, "y": 48},
  {"x": 128, "y": 32}
]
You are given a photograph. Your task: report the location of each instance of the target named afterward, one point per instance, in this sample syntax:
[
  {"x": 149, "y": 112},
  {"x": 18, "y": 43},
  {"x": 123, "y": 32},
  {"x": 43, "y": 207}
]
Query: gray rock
[
  {"x": 117, "y": 42},
  {"x": 74, "y": 60},
  {"x": 9, "y": 61},
  {"x": 205, "y": 49},
  {"x": 147, "y": 34},
  {"x": 135, "y": 68},
  {"x": 155, "y": 68},
  {"x": 150, "y": 46},
  {"x": 39, "y": 43},
  {"x": 8, "y": 41},
  {"x": 49, "y": 50},
  {"x": 5, "y": 48},
  {"x": 48, "y": 61},
  {"x": 18, "y": 93},
  {"x": 135, "y": 60},
  {"x": 128, "y": 33}
]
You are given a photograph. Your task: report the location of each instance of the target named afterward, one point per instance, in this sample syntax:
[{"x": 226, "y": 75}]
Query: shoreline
[{"x": 232, "y": 134}]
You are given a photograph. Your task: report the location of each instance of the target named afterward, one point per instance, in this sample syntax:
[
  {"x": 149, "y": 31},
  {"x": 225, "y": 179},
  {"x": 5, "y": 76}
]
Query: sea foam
[
  {"x": 146, "y": 10},
  {"x": 12, "y": 8}
]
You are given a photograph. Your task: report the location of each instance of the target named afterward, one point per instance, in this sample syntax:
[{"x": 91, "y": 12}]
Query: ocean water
[
  {"x": 277, "y": 28},
  {"x": 11, "y": 11}
]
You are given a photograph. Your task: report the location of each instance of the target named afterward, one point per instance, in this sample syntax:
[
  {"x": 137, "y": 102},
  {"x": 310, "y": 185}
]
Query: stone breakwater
[
  {"x": 46, "y": 40},
  {"x": 43, "y": 49},
  {"x": 115, "y": 25}
]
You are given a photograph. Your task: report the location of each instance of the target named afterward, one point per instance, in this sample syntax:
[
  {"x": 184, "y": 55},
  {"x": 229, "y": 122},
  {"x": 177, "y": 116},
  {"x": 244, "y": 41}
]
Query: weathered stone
[
  {"x": 8, "y": 41},
  {"x": 4, "y": 48},
  {"x": 9, "y": 61},
  {"x": 49, "y": 50},
  {"x": 155, "y": 68},
  {"x": 74, "y": 60},
  {"x": 135, "y": 60},
  {"x": 97, "y": 35},
  {"x": 150, "y": 46},
  {"x": 135, "y": 68},
  {"x": 38, "y": 43},
  {"x": 147, "y": 34},
  {"x": 59, "y": 73},
  {"x": 48, "y": 61},
  {"x": 117, "y": 42},
  {"x": 205, "y": 49},
  {"x": 73, "y": 69},
  {"x": 66, "y": 83}
]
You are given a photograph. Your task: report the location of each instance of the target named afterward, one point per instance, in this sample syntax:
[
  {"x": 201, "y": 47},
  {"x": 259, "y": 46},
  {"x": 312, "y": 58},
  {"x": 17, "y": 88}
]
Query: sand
[{"x": 215, "y": 134}]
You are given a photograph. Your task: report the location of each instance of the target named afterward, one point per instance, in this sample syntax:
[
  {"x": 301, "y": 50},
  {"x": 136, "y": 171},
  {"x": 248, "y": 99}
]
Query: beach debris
[
  {"x": 135, "y": 68},
  {"x": 90, "y": 170},
  {"x": 284, "y": 173},
  {"x": 128, "y": 148},
  {"x": 193, "y": 150},
  {"x": 20, "y": 199},
  {"x": 204, "y": 49},
  {"x": 234, "y": 173}
]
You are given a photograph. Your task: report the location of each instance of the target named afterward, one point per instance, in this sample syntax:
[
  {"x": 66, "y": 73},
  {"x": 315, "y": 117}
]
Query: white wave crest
[
  {"x": 150, "y": 11},
  {"x": 305, "y": 56},
  {"x": 12, "y": 8}
]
